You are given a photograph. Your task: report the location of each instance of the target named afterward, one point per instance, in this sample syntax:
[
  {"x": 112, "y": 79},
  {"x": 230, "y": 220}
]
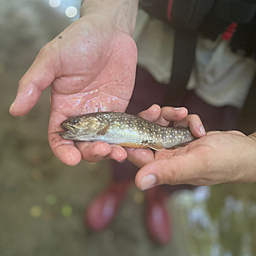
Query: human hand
[
  {"x": 91, "y": 66},
  {"x": 141, "y": 157},
  {"x": 218, "y": 157}
]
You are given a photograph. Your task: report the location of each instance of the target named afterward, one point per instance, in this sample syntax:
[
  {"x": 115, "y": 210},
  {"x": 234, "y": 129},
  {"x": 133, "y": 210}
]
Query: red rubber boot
[
  {"x": 104, "y": 207},
  {"x": 157, "y": 216}
]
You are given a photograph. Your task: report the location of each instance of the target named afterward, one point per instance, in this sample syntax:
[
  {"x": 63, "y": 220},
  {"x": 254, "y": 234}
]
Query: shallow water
[{"x": 220, "y": 220}]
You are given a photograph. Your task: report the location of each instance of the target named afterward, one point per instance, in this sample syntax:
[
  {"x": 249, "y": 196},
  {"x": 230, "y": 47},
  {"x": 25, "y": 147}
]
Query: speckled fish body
[{"x": 125, "y": 130}]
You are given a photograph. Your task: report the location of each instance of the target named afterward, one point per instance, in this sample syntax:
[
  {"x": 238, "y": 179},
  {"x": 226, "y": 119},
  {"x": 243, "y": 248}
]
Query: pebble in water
[{"x": 35, "y": 211}]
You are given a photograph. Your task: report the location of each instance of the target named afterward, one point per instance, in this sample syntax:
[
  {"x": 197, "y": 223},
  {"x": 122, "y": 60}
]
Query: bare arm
[{"x": 122, "y": 12}]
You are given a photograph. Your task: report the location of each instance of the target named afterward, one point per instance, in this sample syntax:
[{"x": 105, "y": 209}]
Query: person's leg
[{"x": 146, "y": 93}]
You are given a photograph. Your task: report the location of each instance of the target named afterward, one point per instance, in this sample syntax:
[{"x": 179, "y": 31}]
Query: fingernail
[
  {"x": 148, "y": 182},
  {"x": 154, "y": 106},
  {"x": 202, "y": 130},
  {"x": 181, "y": 110}
]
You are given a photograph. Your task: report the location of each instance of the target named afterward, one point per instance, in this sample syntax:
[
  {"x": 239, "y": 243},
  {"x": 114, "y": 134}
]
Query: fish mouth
[
  {"x": 69, "y": 131},
  {"x": 69, "y": 135},
  {"x": 68, "y": 128}
]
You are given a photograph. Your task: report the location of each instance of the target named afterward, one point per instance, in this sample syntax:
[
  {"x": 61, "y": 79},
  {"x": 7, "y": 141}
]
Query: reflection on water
[
  {"x": 220, "y": 219},
  {"x": 70, "y": 8}
]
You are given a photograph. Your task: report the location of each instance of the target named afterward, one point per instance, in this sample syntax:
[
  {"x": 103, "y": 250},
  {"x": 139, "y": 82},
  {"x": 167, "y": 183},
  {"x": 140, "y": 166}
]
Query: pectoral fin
[
  {"x": 157, "y": 146},
  {"x": 104, "y": 130}
]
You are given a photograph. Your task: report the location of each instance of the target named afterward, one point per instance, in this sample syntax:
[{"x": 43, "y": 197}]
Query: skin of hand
[
  {"x": 218, "y": 157},
  {"x": 91, "y": 66}
]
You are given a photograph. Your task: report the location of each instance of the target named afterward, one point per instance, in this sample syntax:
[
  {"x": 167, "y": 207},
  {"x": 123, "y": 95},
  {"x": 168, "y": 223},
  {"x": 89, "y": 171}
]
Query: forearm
[{"x": 122, "y": 12}]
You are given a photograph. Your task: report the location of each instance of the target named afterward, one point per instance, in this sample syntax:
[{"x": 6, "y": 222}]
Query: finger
[
  {"x": 94, "y": 151},
  {"x": 177, "y": 170},
  {"x": 65, "y": 150},
  {"x": 151, "y": 114},
  {"x": 169, "y": 114},
  {"x": 68, "y": 154},
  {"x": 117, "y": 153},
  {"x": 40, "y": 75},
  {"x": 194, "y": 123},
  {"x": 140, "y": 157}
]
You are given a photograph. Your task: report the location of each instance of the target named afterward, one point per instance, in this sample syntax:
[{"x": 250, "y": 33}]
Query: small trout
[{"x": 125, "y": 130}]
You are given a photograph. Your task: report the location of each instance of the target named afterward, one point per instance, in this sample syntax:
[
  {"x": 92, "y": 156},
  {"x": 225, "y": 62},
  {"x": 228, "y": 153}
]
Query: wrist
[{"x": 121, "y": 13}]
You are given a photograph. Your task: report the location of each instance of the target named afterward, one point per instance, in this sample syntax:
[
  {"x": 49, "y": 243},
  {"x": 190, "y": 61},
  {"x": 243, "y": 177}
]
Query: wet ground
[{"x": 42, "y": 201}]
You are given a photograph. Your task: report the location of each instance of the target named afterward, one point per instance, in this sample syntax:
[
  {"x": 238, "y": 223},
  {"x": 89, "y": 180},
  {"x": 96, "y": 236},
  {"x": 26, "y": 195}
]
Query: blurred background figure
[{"x": 42, "y": 201}]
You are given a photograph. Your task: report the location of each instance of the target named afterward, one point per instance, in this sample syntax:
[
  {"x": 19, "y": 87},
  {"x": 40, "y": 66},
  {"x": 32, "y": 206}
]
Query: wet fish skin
[{"x": 125, "y": 130}]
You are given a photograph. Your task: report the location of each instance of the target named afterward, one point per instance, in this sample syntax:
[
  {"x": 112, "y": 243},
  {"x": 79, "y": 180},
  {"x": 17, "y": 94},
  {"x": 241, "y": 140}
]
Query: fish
[{"x": 125, "y": 130}]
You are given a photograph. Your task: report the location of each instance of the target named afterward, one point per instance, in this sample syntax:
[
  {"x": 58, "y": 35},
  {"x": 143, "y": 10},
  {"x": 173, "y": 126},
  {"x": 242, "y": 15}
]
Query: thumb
[
  {"x": 39, "y": 76},
  {"x": 182, "y": 169}
]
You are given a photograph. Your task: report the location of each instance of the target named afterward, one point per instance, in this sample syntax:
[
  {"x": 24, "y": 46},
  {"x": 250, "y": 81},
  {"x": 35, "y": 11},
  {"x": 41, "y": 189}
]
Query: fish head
[{"x": 81, "y": 128}]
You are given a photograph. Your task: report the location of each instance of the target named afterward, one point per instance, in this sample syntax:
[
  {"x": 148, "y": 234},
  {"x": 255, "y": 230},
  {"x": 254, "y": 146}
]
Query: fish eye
[{"x": 74, "y": 121}]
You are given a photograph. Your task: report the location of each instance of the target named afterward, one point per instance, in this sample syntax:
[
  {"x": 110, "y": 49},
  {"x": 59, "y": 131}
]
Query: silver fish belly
[{"x": 125, "y": 130}]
